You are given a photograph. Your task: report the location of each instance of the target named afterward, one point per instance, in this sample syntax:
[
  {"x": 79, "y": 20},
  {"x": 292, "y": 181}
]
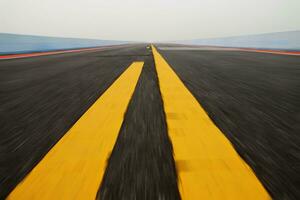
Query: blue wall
[
  {"x": 282, "y": 40},
  {"x": 13, "y": 43}
]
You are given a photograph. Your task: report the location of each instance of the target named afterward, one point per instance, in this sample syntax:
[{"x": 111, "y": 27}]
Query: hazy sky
[{"x": 148, "y": 20}]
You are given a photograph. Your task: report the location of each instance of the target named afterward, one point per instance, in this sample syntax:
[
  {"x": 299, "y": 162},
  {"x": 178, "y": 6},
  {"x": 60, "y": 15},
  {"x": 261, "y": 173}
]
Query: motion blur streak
[
  {"x": 42, "y": 97},
  {"x": 208, "y": 165},
  {"x": 254, "y": 100},
  {"x": 141, "y": 165},
  {"x": 74, "y": 167}
]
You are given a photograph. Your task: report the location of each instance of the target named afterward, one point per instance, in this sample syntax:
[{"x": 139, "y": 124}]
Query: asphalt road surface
[
  {"x": 42, "y": 97},
  {"x": 142, "y": 157},
  {"x": 252, "y": 97}
]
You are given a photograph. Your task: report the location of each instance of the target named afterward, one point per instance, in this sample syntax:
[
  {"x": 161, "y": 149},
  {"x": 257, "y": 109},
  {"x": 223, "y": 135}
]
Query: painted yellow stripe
[
  {"x": 207, "y": 164},
  {"x": 74, "y": 167}
]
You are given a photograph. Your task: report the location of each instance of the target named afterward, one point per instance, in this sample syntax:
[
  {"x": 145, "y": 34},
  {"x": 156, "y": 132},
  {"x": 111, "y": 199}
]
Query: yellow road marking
[
  {"x": 74, "y": 167},
  {"x": 207, "y": 164}
]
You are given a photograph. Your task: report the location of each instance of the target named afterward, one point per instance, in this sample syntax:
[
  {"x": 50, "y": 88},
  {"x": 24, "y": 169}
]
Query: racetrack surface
[
  {"x": 42, "y": 97},
  {"x": 252, "y": 97},
  {"x": 141, "y": 165}
]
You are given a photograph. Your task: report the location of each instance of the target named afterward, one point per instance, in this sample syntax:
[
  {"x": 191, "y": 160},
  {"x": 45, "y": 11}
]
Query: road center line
[
  {"x": 207, "y": 164},
  {"x": 74, "y": 167}
]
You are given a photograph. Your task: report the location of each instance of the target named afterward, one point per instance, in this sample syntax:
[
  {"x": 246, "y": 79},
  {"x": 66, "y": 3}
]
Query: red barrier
[
  {"x": 25, "y": 55},
  {"x": 294, "y": 53}
]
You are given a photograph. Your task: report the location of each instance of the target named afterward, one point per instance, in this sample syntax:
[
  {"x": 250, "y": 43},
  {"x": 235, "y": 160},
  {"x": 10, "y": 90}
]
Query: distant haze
[
  {"x": 283, "y": 40},
  {"x": 148, "y": 20}
]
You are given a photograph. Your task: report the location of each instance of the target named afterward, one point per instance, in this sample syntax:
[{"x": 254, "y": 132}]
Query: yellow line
[
  {"x": 207, "y": 164},
  {"x": 74, "y": 167}
]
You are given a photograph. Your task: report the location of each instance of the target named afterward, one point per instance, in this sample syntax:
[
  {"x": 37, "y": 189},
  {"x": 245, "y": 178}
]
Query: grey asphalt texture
[
  {"x": 42, "y": 97},
  {"x": 254, "y": 98},
  {"x": 141, "y": 165}
]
